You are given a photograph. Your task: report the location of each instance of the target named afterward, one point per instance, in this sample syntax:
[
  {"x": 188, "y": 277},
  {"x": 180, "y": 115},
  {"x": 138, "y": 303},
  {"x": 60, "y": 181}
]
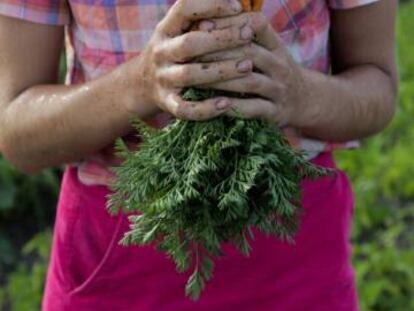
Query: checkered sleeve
[
  {"x": 348, "y": 4},
  {"x": 49, "y": 12}
]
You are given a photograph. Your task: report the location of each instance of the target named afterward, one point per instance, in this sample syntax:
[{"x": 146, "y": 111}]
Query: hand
[
  {"x": 163, "y": 69},
  {"x": 277, "y": 80}
]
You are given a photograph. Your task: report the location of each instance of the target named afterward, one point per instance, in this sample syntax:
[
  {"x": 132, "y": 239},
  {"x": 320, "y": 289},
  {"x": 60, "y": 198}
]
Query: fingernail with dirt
[
  {"x": 222, "y": 104},
  {"x": 244, "y": 65}
]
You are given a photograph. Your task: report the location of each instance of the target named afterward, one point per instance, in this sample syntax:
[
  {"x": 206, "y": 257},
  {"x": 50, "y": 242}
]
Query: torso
[
  {"x": 89, "y": 270},
  {"x": 106, "y": 33}
]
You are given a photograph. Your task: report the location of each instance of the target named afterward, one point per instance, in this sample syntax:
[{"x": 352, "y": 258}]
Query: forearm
[
  {"x": 51, "y": 124},
  {"x": 46, "y": 125},
  {"x": 354, "y": 104}
]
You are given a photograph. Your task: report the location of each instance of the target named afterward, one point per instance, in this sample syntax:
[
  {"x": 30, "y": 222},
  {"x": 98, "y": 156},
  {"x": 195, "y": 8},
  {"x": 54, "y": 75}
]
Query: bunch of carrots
[{"x": 252, "y": 5}]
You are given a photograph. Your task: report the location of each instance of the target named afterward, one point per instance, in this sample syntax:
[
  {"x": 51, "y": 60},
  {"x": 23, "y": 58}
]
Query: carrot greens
[
  {"x": 198, "y": 184},
  {"x": 193, "y": 185}
]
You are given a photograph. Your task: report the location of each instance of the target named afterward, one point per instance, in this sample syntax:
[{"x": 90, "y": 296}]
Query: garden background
[{"x": 382, "y": 172}]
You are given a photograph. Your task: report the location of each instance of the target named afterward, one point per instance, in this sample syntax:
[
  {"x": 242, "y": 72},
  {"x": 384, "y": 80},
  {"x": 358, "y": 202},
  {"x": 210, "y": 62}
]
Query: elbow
[
  {"x": 10, "y": 150},
  {"x": 390, "y": 102},
  {"x": 21, "y": 163},
  {"x": 385, "y": 104},
  {"x": 386, "y": 111}
]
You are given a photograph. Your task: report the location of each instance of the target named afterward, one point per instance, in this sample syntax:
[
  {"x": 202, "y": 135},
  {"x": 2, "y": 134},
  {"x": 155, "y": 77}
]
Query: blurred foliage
[
  {"x": 25, "y": 285},
  {"x": 383, "y": 234},
  {"x": 27, "y": 208}
]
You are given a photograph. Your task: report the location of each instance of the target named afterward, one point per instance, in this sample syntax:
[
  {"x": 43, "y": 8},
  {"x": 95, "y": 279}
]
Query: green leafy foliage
[
  {"x": 8, "y": 188},
  {"x": 198, "y": 184},
  {"x": 29, "y": 209},
  {"x": 27, "y": 206},
  {"x": 24, "y": 289}
]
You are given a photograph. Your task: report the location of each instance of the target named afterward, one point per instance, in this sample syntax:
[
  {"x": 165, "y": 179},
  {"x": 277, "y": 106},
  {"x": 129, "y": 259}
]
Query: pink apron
[{"x": 90, "y": 271}]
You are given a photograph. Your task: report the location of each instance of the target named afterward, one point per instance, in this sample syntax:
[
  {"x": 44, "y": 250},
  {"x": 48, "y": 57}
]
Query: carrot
[
  {"x": 247, "y": 6},
  {"x": 257, "y": 5},
  {"x": 252, "y": 5}
]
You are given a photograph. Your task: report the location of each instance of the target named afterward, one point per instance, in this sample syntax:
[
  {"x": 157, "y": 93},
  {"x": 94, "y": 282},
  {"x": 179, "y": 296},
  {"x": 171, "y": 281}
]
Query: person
[{"x": 323, "y": 70}]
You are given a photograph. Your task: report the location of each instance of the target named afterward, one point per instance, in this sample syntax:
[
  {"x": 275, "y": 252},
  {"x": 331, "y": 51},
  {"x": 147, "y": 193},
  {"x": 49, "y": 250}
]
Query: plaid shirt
[{"x": 105, "y": 33}]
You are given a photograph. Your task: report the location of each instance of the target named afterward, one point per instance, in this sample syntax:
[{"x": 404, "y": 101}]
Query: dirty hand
[{"x": 166, "y": 65}]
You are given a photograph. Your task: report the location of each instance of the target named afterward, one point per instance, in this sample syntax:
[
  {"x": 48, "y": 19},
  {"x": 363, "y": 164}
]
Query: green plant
[
  {"x": 24, "y": 288},
  {"x": 27, "y": 207},
  {"x": 198, "y": 184}
]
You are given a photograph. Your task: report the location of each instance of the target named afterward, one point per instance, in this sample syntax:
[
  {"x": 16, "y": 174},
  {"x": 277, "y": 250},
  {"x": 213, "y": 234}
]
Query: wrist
[
  {"x": 133, "y": 92},
  {"x": 307, "y": 110}
]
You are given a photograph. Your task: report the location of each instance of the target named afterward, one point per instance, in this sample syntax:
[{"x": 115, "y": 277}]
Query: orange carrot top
[
  {"x": 252, "y": 5},
  {"x": 257, "y": 5}
]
